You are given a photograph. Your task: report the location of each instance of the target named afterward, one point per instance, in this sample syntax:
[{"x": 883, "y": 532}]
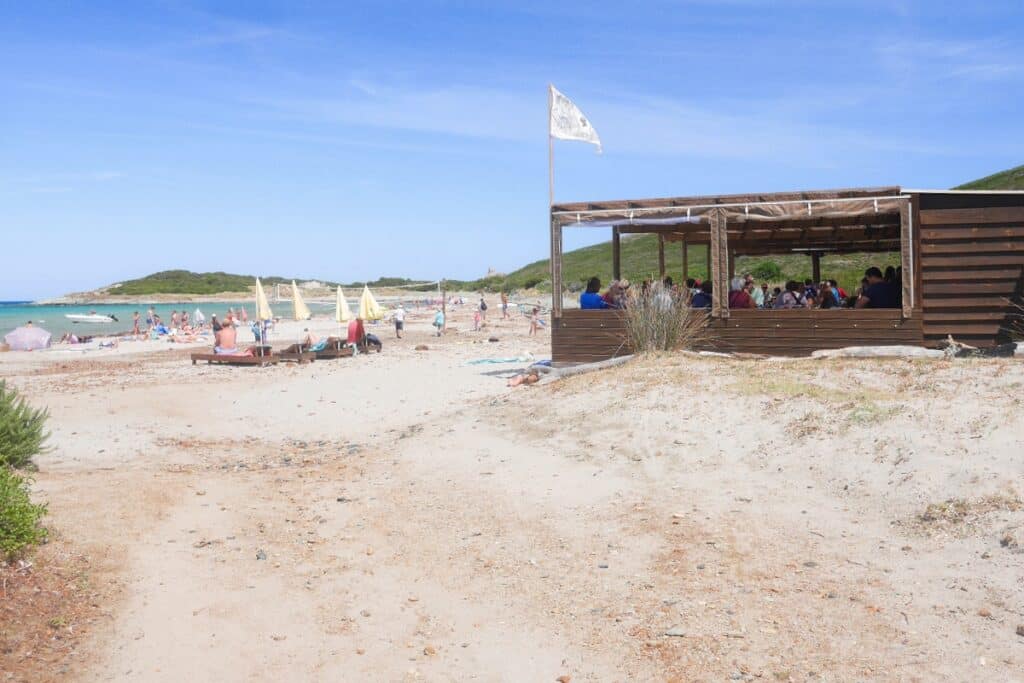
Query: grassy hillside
[
  {"x": 1012, "y": 179},
  {"x": 187, "y": 282}
]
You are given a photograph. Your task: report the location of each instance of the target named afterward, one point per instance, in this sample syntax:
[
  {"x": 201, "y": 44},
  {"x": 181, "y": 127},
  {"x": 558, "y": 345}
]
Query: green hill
[
  {"x": 1013, "y": 179},
  {"x": 187, "y": 282}
]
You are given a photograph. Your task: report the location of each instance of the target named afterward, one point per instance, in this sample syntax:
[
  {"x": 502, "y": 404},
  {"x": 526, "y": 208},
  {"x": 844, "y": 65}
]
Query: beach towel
[
  {"x": 319, "y": 346},
  {"x": 492, "y": 361}
]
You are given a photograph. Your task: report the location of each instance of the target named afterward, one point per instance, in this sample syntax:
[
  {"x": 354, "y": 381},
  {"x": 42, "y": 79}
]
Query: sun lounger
[
  {"x": 334, "y": 348},
  {"x": 256, "y": 357},
  {"x": 298, "y": 354}
]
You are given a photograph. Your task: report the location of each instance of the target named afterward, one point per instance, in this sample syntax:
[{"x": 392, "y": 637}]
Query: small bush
[
  {"x": 22, "y": 432},
  {"x": 767, "y": 271},
  {"x": 19, "y": 516},
  {"x": 661, "y": 320}
]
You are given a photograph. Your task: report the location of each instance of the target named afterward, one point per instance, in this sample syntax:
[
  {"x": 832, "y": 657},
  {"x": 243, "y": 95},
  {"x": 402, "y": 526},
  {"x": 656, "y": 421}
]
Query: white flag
[{"x": 568, "y": 122}]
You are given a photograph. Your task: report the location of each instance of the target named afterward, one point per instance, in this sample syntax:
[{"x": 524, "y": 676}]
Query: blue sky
[{"x": 352, "y": 140}]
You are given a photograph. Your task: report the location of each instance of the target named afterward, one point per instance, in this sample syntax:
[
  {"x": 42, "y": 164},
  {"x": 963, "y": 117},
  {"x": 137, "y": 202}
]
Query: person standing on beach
[
  {"x": 504, "y": 305},
  {"x": 399, "y": 321},
  {"x": 439, "y": 321},
  {"x": 534, "y": 320},
  {"x": 135, "y": 324},
  {"x": 483, "y": 308},
  {"x": 174, "y": 320}
]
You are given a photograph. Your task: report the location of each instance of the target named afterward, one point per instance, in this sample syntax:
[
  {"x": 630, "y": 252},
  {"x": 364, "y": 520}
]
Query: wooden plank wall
[
  {"x": 971, "y": 264},
  {"x": 586, "y": 336},
  {"x": 799, "y": 332}
]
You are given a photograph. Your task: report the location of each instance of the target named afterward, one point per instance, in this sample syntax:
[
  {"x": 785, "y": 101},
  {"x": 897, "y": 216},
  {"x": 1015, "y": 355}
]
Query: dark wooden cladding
[
  {"x": 800, "y": 332},
  {"x": 587, "y": 336},
  {"x": 971, "y": 265}
]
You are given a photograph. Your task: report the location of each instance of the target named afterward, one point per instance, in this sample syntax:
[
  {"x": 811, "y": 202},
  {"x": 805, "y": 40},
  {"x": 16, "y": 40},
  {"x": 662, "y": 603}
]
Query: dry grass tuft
[{"x": 661, "y": 320}]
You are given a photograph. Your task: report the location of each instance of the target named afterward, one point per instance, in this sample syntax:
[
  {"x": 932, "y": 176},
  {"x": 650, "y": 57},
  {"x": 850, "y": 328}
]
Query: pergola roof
[{"x": 860, "y": 219}]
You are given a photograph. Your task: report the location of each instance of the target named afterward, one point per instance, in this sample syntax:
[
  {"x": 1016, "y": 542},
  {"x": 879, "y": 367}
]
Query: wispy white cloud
[
  {"x": 931, "y": 59},
  {"x": 630, "y": 123}
]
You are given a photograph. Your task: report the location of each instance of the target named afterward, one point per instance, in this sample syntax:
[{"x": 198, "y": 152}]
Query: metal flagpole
[{"x": 551, "y": 156}]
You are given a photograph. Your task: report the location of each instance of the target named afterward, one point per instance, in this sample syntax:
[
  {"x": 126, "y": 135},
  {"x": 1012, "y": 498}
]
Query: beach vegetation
[
  {"x": 22, "y": 429},
  {"x": 1010, "y": 179},
  {"x": 660, "y": 320},
  {"x": 20, "y": 518}
]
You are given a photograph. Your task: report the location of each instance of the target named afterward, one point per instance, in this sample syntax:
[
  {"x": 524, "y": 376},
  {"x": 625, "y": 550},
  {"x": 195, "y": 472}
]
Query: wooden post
[
  {"x": 707, "y": 260},
  {"x": 686, "y": 261},
  {"x": 816, "y": 267},
  {"x": 556, "y": 269},
  {"x": 661, "y": 256},
  {"x": 616, "y": 255},
  {"x": 444, "y": 304}
]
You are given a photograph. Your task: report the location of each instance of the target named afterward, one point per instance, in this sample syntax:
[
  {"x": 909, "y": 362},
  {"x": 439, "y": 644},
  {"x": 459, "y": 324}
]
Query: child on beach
[
  {"x": 476, "y": 320},
  {"x": 534, "y": 318},
  {"x": 439, "y": 321},
  {"x": 135, "y": 324},
  {"x": 399, "y": 321}
]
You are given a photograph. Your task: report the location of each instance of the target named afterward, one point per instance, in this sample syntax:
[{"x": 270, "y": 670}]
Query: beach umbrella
[
  {"x": 263, "y": 312},
  {"x": 299, "y": 307},
  {"x": 28, "y": 339},
  {"x": 369, "y": 309},
  {"x": 341, "y": 310}
]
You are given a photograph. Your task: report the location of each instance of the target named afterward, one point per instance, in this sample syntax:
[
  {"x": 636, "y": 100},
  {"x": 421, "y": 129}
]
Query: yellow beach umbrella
[
  {"x": 299, "y": 307},
  {"x": 341, "y": 310},
  {"x": 369, "y": 309},
  {"x": 263, "y": 311}
]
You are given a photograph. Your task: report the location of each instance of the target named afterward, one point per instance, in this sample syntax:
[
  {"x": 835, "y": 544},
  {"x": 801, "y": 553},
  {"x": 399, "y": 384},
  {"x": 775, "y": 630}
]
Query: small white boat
[{"x": 90, "y": 318}]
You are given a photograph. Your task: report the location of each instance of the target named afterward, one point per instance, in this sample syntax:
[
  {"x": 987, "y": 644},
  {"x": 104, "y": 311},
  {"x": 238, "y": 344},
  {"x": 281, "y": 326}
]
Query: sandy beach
[{"x": 406, "y": 516}]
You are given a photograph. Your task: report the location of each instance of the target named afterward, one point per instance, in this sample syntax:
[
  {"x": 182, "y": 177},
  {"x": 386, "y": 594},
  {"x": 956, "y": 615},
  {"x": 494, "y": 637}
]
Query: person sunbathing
[
  {"x": 226, "y": 341},
  {"x": 531, "y": 377},
  {"x": 311, "y": 339}
]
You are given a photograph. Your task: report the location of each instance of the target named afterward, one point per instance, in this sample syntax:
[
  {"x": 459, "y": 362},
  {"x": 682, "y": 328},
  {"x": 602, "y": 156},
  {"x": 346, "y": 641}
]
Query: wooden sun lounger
[
  {"x": 336, "y": 348},
  {"x": 298, "y": 354},
  {"x": 266, "y": 358}
]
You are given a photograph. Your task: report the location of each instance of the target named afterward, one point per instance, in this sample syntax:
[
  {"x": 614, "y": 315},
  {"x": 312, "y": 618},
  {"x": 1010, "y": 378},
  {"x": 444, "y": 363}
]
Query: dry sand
[{"x": 406, "y": 516}]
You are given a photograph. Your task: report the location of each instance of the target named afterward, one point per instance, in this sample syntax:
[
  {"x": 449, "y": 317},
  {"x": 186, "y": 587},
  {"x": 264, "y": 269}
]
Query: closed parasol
[{"x": 369, "y": 309}]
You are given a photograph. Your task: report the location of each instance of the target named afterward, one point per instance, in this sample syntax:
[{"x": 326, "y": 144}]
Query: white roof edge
[{"x": 916, "y": 191}]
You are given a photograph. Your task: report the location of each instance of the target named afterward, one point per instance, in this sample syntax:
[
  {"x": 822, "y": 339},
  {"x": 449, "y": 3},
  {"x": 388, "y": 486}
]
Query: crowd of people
[{"x": 877, "y": 289}]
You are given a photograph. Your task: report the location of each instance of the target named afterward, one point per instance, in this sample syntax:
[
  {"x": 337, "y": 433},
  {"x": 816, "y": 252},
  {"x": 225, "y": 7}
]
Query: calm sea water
[{"x": 51, "y": 318}]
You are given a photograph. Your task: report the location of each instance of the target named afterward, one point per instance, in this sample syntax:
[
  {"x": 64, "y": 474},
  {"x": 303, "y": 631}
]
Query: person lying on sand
[{"x": 524, "y": 378}]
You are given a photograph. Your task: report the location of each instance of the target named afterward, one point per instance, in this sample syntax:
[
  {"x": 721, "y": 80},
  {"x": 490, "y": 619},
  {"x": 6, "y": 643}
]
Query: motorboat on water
[{"x": 90, "y": 318}]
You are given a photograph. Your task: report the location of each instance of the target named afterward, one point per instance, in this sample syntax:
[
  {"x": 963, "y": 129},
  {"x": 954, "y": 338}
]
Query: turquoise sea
[{"x": 51, "y": 317}]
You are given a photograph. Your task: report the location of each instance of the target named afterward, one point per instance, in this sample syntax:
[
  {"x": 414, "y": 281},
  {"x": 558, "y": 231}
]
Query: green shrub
[
  {"x": 766, "y": 271},
  {"x": 22, "y": 433},
  {"x": 19, "y": 516}
]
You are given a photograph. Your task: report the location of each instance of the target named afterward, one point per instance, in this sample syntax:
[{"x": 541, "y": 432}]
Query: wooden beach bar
[{"x": 961, "y": 253}]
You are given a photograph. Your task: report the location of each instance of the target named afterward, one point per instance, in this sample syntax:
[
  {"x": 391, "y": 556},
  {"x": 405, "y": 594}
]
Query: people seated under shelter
[
  {"x": 738, "y": 296},
  {"x": 591, "y": 298},
  {"x": 790, "y": 298},
  {"x": 702, "y": 299},
  {"x": 877, "y": 293}
]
